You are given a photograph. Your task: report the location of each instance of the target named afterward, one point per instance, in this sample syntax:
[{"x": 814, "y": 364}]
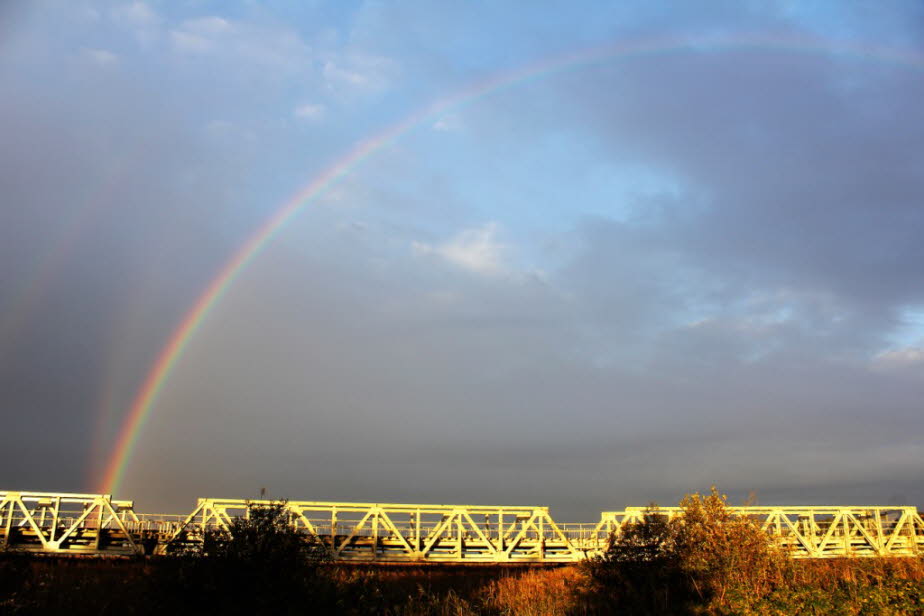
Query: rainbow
[{"x": 166, "y": 361}]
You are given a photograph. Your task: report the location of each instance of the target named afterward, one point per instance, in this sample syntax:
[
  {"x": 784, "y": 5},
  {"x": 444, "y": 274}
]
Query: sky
[{"x": 584, "y": 255}]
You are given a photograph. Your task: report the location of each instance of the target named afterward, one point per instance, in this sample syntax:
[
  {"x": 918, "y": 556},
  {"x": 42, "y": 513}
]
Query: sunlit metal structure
[
  {"x": 95, "y": 524},
  {"x": 816, "y": 532},
  {"x": 67, "y": 523},
  {"x": 368, "y": 532}
]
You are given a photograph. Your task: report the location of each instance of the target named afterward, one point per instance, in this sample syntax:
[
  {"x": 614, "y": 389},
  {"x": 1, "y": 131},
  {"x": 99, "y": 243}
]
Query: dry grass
[
  {"x": 555, "y": 592},
  {"x": 860, "y": 572}
]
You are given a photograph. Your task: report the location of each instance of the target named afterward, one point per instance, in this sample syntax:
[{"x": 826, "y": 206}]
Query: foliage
[
  {"x": 725, "y": 558},
  {"x": 264, "y": 536},
  {"x": 704, "y": 556},
  {"x": 639, "y": 571},
  {"x": 259, "y": 563}
]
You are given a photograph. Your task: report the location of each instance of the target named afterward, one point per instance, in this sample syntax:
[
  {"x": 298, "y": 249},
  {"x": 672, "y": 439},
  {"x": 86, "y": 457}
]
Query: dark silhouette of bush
[
  {"x": 639, "y": 572},
  {"x": 259, "y": 564}
]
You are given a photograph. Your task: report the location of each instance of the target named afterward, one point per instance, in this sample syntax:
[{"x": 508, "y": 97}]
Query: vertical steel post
[
  {"x": 375, "y": 533},
  {"x": 9, "y": 520},
  {"x": 500, "y": 530},
  {"x": 54, "y": 517}
]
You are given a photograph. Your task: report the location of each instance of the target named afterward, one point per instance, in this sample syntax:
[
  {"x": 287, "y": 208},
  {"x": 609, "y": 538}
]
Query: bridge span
[{"x": 98, "y": 525}]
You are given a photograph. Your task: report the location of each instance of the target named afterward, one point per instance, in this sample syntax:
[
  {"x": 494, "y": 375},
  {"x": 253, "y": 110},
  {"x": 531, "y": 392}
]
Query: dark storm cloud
[
  {"x": 737, "y": 320},
  {"x": 802, "y": 181},
  {"x": 113, "y": 203}
]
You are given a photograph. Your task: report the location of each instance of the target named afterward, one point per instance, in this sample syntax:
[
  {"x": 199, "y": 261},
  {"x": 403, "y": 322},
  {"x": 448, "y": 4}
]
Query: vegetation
[
  {"x": 704, "y": 561},
  {"x": 705, "y": 557},
  {"x": 257, "y": 565}
]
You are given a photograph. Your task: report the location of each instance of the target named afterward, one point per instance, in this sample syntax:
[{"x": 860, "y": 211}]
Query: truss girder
[
  {"x": 374, "y": 532},
  {"x": 95, "y": 524},
  {"x": 815, "y": 532},
  {"x": 68, "y": 523}
]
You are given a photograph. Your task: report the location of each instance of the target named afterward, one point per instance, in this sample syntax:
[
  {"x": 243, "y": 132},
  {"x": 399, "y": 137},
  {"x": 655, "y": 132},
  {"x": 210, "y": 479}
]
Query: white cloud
[
  {"x": 448, "y": 123},
  {"x": 902, "y": 358},
  {"x": 188, "y": 42},
  {"x": 211, "y": 26},
  {"x": 476, "y": 250},
  {"x": 91, "y": 14},
  {"x": 140, "y": 18},
  {"x": 137, "y": 14},
  {"x": 200, "y": 35},
  {"x": 270, "y": 52},
  {"x": 100, "y": 57},
  {"x": 310, "y": 111},
  {"x": 339, "y": 76},
  {"x": 359, "y": 73}
]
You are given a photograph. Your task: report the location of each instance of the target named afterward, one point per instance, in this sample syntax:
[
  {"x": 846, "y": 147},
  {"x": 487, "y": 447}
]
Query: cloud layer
[{"x": 602, "y": 286}]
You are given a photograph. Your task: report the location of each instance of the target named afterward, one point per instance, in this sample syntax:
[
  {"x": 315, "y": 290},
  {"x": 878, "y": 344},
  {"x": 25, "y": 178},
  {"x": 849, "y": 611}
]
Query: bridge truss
[
  {"x": 95, "y": 524},
  {"x": 408, "y": 533},
  {"x": 817, "y": 532},
  {"x": 67, "y": 523}
]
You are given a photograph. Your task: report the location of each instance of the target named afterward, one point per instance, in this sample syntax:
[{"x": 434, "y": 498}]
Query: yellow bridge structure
[{"x": 98, "y": 525}]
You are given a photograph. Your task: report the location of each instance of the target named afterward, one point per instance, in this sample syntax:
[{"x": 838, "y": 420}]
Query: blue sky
[{"x": 610, "y": 283}]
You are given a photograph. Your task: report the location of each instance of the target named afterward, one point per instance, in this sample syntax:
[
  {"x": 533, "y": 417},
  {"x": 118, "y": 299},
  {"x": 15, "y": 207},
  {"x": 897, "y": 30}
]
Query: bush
[
  {"x": 728, "y": 560},
  {"x": 259, "y": 564},
  {"x": 705, "y": 557},
  {"x": 639, "y": 572}
]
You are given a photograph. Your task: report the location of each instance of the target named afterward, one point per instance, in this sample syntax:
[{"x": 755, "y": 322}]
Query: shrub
[
  {"x": 258, "y": 564},
  {"x": 706, "y": 556},
  {"x": 639, "y": 572},
  {"x": 727, "y": 559}
]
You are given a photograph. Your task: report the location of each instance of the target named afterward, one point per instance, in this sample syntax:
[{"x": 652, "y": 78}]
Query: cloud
[
  {"x": 908, "y": 358},
  {"x": 448, "y": 123},
  {"x": 188, "y": 42},
  {"x": 201, "y": 35},
  {"x": 143, "y": 21},
  {"x": 359, "y": 73},
  {"x": 211, "y": 25},
  {"x": 729, "y": 239},
  {"x": 476, "y": 250},
  {"x": 272, "y": 54},
  {"x": 137, "y": 14},
  {"x": 310, "y": 111},
  {"x": 101, "y": 57}
]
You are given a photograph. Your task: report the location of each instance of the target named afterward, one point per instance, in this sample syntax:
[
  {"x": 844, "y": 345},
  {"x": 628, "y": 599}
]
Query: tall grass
[{"x": 556, "y": 592}]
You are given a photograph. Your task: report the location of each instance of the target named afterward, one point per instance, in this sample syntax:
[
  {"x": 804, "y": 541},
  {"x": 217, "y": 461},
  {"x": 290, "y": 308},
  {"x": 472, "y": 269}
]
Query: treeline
[{"x": 705, "y": 561}]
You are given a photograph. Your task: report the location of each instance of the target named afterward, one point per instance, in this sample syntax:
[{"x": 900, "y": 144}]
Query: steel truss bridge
[{"x": 98, "y": 525}]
